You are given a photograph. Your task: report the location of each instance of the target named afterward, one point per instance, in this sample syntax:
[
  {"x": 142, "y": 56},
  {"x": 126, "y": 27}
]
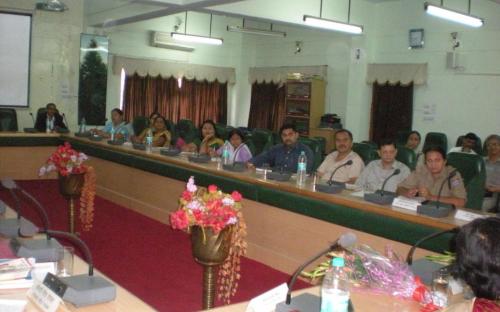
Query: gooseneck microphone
[
  {"x": 11, "y": 227},
  {"x": 395, "y": 173},
  {"x": 345, "y": 240},
  {"x": 347, "y": 163},
  {"x": 31, "y": 130},
  {"x": 84, "y": 289},
  {"x": 65, "y": 120},
  {"x": 409, "y": 256},
  {"x": 438, "y": 209},
  {"x": 33, "y": 119}
]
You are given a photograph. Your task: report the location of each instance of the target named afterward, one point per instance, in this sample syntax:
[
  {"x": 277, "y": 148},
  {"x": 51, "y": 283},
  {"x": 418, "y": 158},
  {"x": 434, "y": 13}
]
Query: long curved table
[{"x": 286, "y": 224}]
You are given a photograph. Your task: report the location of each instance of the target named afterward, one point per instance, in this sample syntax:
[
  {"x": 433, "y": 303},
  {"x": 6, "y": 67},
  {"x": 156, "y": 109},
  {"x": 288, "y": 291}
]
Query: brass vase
[
  {"x": 70, "y": 187},
  {"x": 210, "y": 250}
]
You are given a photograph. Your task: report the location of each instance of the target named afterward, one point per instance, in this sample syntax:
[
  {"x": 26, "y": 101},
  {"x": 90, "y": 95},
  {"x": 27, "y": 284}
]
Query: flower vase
[
  {"x": 210, "y": 249},
  {"x": 70, "y": 187}
]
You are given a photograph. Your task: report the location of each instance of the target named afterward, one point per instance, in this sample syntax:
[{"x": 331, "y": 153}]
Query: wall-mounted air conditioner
[{"x": 163, "y": 40}]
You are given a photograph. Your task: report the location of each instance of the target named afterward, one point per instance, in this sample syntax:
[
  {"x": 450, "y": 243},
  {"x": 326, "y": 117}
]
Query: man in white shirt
[
  {"x": 468, "y": 143},
  {"x": 377, "y": 171},
  {"x": 343, "y": 153}
]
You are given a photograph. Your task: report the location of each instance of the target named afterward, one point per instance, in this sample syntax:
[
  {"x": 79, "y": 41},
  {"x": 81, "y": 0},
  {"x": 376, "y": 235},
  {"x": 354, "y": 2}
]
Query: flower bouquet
[
  {"x": 212, "y": 213},
  {"x": 68, "y": 162}
]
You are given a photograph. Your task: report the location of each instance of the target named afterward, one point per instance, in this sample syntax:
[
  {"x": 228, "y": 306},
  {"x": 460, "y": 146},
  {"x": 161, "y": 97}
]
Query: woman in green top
[{"x": 208, "y": 143}]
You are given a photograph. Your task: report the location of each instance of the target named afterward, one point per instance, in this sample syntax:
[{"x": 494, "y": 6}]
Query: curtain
[
  {"x": 194, "y": 100},
  {"x": 267, "y": 106},
  {"x": 392, "y": 110}
]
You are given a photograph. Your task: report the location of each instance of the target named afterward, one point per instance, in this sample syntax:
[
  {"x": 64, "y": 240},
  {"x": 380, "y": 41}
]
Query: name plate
[
  {"x": 267, "y": 301},
  {"x": 44, "y": 298},
  {"x": 405, "y": 203},
  {"x": 467, "y": 216}
]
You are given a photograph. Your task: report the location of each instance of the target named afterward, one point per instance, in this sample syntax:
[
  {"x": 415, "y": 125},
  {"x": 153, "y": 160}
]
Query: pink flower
[
  {"x": 212, "y": 188},
  {"x": 179, "y": 220},
  {"x": 191, "y": 187},
  {"x": 236, "y": 196},
  {"x": 186, "y": 195}
]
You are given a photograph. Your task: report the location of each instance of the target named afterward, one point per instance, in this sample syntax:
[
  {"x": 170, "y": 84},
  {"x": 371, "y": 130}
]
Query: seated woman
[
  {"x": 161, "y": 135},
  {"x": 477, "y": 264},
  {"x": 117, "y": 126},
  {"x": 427, "y": 179},
  {"x": 413, "y": 142},
  {"x": 492, "y": 162},
  {"x": 208, "y": 143},
  {"x": 238, "y": 151}
]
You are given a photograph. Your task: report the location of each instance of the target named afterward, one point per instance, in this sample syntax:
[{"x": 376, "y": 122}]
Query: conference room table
[
  {"x": 125, "y": 301},
  {"x": 286, "y": 224}
]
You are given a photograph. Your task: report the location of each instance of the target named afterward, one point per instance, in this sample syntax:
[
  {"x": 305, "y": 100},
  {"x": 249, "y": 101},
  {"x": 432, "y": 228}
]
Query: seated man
[
  {"x": 50, "y": 121},
  {"x": 492, "y": 162},
  {"x": 426, "y": 180},
  {"x": 116, "y": 125},
  {"x": 468, "y": 143},
  {"x": 343, "y": 153},
  {"x": 377, "y": 171},
  {"x": 284, "y": 156}
]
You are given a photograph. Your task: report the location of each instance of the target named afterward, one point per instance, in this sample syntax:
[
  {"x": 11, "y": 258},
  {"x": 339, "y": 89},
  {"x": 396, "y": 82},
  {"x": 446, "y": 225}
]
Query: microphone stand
[
  {"x": 438, "y": 209},
  {"x": 31, "y": 130},
  {"x": 381, "y": 197},
  {"x": 10, "y": 227},
  {"x": 332, "y": 187},
  {"x": 84, "y": 289}
]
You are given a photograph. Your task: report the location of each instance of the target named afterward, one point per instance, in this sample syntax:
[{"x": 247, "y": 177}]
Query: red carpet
[{"x": 145, "y": 256}]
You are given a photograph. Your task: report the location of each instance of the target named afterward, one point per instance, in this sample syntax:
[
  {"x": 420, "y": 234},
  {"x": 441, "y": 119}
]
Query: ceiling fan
[{"x": 51, "y": 6}]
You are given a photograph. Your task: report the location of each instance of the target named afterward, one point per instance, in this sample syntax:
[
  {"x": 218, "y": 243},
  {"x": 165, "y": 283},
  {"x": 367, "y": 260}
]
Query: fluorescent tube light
[
  {"x": 196, "y": 39},
  {"x": 256, "y": 31},
  {"x": 453, "y": 16},
  {"x": 332, "y": 25}
]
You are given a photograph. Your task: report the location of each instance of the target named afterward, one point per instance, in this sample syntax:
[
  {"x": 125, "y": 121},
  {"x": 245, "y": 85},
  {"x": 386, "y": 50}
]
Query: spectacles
[{"x": 493, "y": 144}]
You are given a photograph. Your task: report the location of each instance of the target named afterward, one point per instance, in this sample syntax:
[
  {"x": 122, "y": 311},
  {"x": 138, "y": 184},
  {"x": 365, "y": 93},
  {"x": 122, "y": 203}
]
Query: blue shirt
[
  {"x": 284, "y": 158},
  {"x": 121, "y": 128}
]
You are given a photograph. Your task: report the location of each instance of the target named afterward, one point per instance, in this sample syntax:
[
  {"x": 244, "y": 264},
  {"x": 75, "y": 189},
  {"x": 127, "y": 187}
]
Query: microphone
[
  {"x": 65, "y": 122},
  {"x": 31, "y": 130},
  {"x": 382, "y": 197},
  {"x": 438, "y": 209},
  {"x": 84, "y": 289},
  {"x": 347, "y": 163},
  {"x": 43, "y": 250},
  {"x": 10, "y": 227},
  {"x": 332, "y": 187},
  {"x": 345, "y": 241},
  {"x": 409, "y": 256}
]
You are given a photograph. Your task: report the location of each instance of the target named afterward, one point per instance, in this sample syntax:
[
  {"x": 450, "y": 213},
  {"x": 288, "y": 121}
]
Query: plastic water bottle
[
  {"x": 335, "y": 289},
  {"x": 302, "y": 169},
  {"x": 83, "y": 125},
  {"x": 226, "y": 159},
  {"x": 112, "y": 134},
  {"x": 149, "y": 141},
  {"x": 48, "y": 128}
]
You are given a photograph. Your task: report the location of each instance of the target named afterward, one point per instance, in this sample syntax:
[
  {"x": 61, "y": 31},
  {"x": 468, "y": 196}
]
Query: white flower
[
  {"x": 73, "y": 158},
  {"x": 42, "y": 171},
  {"x": 194, "y": 205},
  {"x": 82, "y": 157},
  {"x": 51, "y": 167},
  {"x": 190, "y": 186},
  {"x": 70, "y": 169},
  {"x": 228, "y": 201},
  {"x": 232, "y": 220}
]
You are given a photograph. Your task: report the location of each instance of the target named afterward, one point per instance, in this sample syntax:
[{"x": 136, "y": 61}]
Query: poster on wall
[{"x": 93, "y": 79}]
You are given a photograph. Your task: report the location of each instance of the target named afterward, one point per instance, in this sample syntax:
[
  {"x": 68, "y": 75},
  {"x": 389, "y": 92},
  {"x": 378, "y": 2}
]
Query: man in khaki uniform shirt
[{"x": 426, "y": 180}]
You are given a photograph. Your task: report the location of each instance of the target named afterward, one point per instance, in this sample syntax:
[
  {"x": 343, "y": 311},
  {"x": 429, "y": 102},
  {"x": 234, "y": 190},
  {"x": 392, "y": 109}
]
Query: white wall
[{"x": 55, "y": 54}]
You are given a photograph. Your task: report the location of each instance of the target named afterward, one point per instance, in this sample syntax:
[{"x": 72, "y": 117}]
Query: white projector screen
[{"x": 15, "y": 39}]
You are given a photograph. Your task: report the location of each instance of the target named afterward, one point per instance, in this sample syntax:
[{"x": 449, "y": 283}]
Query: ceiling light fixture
[
  {"x": 256, "y": 31},
  {"x": 196, "y": 38},
  {"x": 320, "y": 22},
  {"x": 454, "y": 16}
]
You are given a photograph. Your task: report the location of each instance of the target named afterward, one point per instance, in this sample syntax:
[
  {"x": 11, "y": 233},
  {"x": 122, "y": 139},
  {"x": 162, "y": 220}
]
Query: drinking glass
[{"x": 65, "y": 264}]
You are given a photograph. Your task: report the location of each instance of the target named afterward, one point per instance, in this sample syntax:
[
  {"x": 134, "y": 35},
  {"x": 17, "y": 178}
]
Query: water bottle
[
  {"x": 226, "y": 159},
  {"x": 149, "y": 141},
  {"x": 83, "y": 125},
  {"x": 335, "y": 289},
  {"x": 302, "y": 169},
  {"x": 48, "y": 128},
  {"x": 112, "y": 133}
]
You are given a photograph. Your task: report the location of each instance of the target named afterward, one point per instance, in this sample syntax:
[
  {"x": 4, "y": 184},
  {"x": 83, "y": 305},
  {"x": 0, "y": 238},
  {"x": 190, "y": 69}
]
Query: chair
[
  {"x": 315, "y": 148},
  {"x": 473, "y": 172},
  {"x": 186, "y": 130},
  {"x": 407, "y": 156},
  {"x": 223, "y": 130},
  {"x": 402, "y": 137},
  {"x": 139, "y": 123},
  {"x": 322, "y": 144},
  {"x": 436, "y": 139},
  {"x": 478, "y": 147},
  {"x": 262, "y": 139},
  {"x": 8, "y": 119},
  {"x": 366, "y": 151}
]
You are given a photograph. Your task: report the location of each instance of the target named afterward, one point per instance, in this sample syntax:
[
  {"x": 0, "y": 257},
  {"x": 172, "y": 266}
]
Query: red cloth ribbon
[{"x": 485, "y": 305}]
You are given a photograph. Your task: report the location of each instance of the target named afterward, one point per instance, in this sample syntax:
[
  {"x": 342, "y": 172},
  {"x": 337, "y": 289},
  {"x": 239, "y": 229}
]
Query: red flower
[
  {"x": 236, "y": 196},
  {"x": 186, "y": 195},
  {"x": 212, "y": 188},
  {"x": 179, "y": 220}
]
